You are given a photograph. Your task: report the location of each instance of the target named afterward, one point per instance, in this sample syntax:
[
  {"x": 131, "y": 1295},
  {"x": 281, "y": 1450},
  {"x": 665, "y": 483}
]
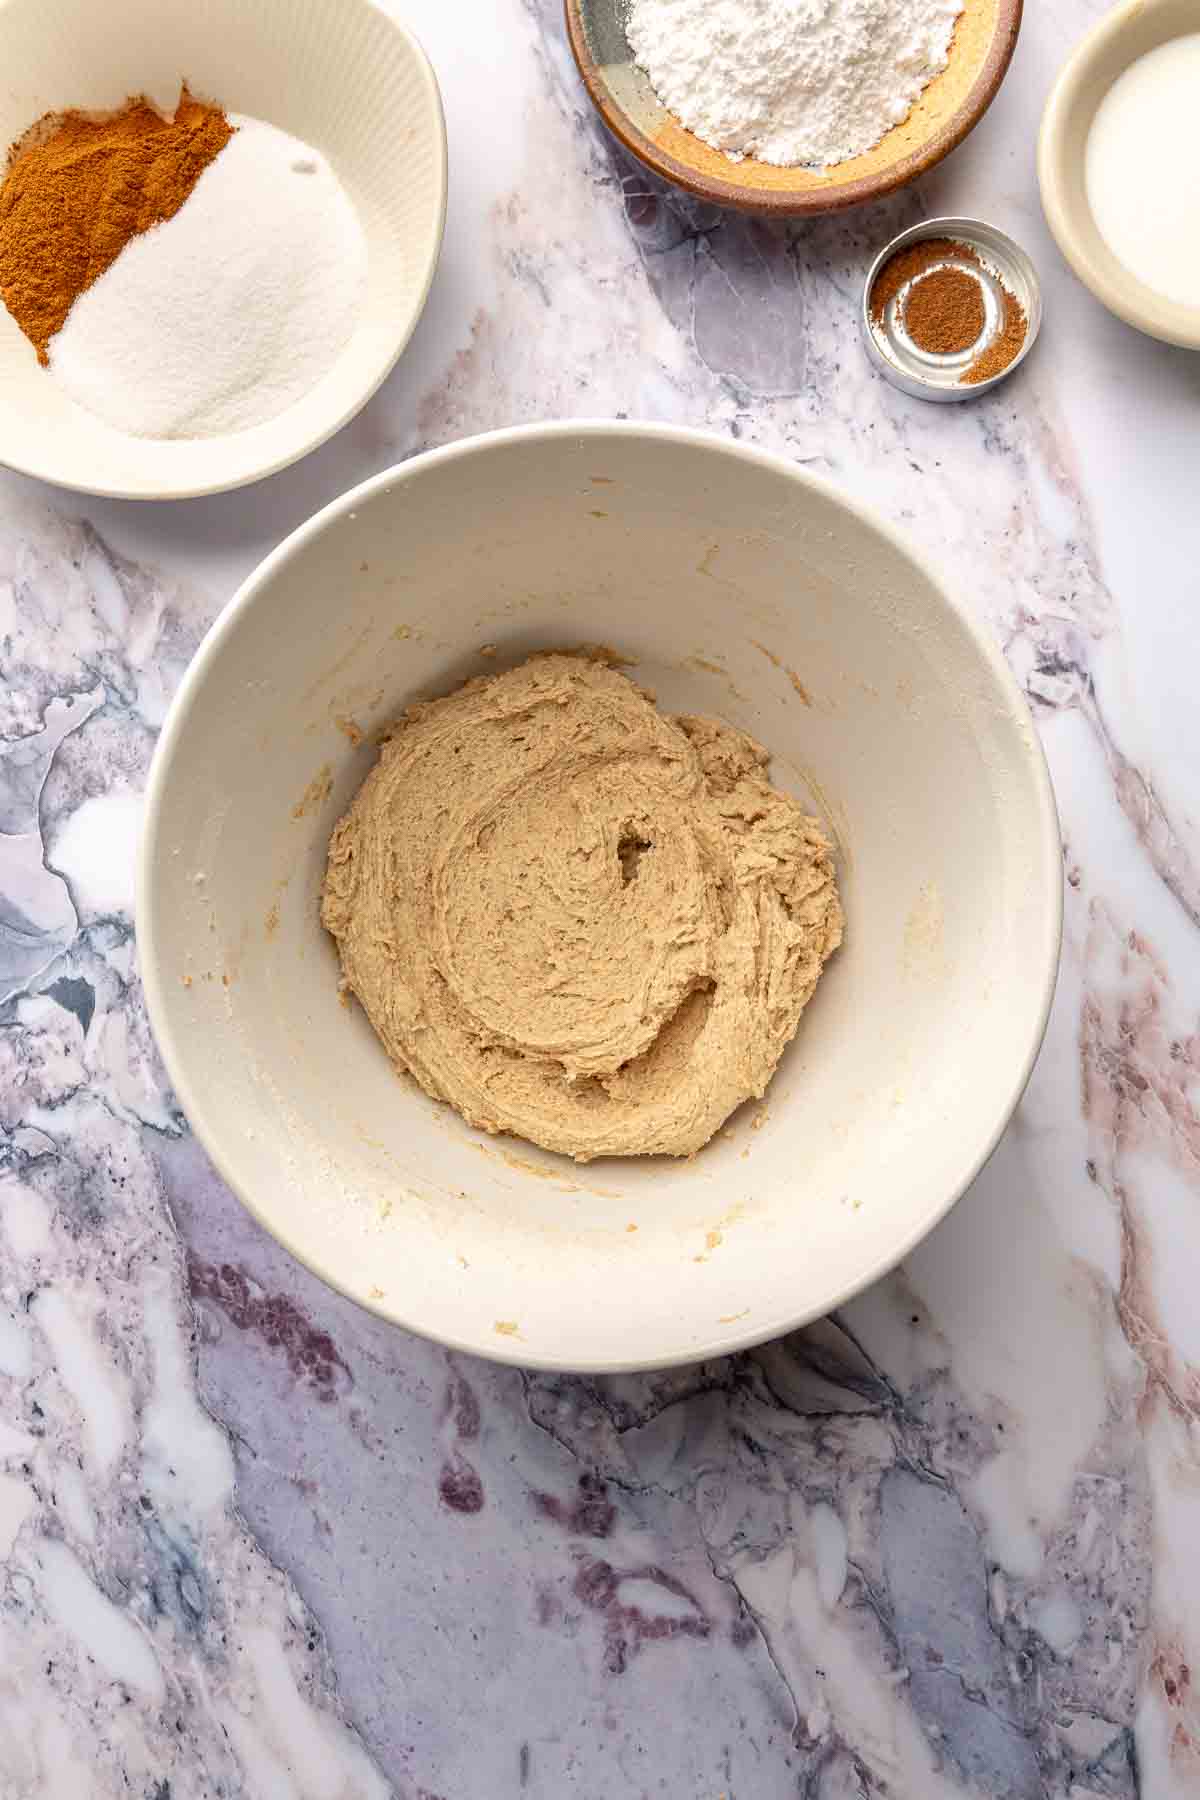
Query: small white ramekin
[{"x": 1130, "y": 31}]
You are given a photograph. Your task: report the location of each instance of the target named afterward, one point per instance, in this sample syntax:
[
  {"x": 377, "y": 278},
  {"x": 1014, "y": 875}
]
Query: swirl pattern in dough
[{"x": 575, "y": 919}]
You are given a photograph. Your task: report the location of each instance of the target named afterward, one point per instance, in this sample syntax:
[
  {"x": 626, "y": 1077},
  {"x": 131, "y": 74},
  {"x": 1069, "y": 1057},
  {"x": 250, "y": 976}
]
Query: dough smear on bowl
[{"x": 575, "y": 919}]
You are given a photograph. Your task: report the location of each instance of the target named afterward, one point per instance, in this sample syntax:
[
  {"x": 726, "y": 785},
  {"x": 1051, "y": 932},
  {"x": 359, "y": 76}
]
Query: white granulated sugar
[
  {"x": 231, "y": 310},
  {"x": 791, "y": 81}
]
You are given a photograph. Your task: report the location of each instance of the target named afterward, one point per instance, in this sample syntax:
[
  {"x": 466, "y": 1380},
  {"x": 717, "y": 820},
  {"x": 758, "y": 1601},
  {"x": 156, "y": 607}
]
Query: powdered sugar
[
  {"x": 231, "y": 310},
  {"x": 791, "y": 81}
]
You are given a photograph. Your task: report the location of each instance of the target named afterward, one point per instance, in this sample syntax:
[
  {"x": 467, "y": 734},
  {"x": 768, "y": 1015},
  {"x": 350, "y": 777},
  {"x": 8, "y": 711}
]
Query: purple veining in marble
[{"x": 940, "y": 1547}]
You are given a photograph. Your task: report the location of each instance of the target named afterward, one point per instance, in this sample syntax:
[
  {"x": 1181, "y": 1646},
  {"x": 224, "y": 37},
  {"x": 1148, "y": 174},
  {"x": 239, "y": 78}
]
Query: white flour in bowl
[{"x": 791, "y": 81}]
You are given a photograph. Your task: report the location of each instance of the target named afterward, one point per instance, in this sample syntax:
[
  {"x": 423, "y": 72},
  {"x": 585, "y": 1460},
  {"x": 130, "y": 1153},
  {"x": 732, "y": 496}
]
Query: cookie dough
[{"x": 575, "y": 919}]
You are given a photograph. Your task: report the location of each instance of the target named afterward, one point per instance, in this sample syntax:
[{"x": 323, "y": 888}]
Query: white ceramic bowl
[
  {"x": 734, "y": 580},
  {"x": 342, "y": 75},
  {"x": 1123, "y": 35}
]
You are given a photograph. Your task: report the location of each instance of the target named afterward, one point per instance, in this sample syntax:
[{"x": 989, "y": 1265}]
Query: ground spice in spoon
[{"x": 79, "y": 186}]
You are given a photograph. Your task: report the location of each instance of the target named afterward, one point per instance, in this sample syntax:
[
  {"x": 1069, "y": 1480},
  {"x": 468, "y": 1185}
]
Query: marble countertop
[{"x": 254, "y": 1543}]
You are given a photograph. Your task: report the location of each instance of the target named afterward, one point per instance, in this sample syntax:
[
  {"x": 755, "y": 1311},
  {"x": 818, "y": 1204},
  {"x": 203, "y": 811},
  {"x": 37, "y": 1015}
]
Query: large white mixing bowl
[{"x": 739, "y": 586}]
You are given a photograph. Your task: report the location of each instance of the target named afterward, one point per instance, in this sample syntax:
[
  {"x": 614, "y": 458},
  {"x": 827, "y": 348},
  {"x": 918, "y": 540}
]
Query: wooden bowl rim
[{"x": 777, "y": 203}]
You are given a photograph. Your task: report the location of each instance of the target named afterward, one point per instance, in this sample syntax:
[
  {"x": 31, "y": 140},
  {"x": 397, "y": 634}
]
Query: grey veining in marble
[{"x": 945, "y": 1546}]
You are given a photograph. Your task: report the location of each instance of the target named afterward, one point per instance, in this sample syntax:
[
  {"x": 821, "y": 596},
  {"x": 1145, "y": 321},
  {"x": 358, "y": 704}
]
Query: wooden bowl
[{"x": 954, "y": 101}]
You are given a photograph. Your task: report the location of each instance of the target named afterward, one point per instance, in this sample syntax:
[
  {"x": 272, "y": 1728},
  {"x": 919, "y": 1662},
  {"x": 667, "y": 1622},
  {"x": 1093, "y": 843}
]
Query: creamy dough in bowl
[{"x": 575, "y": 919}]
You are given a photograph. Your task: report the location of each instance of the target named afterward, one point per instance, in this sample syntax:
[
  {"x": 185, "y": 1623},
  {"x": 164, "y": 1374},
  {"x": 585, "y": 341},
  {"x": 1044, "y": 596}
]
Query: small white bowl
[
  {"x": 1122, "y": 36},
  {"x": 342, "y": 75},
  {"x": 740, "y": 586}
]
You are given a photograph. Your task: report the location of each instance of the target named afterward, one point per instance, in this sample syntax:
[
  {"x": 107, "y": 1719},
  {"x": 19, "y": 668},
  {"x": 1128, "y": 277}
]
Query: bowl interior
[
  {"x": 984, "y": 39},
  {"x": 339, "y": 74},
  {"x": 1121, "y": 37},
  {"x": 740, "y": 588}
]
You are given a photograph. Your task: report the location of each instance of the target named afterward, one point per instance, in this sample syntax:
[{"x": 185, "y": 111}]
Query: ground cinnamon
[
  {"x": 78, "y": 187},
  {"x": 907, "y": 264},
  {"x": 944, "y": 312},
  {"x": 1005, "y": 348}
]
